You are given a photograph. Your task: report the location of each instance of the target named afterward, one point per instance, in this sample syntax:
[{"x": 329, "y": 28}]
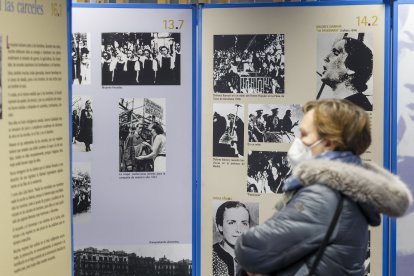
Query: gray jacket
[{"x": 286, "y": 244}]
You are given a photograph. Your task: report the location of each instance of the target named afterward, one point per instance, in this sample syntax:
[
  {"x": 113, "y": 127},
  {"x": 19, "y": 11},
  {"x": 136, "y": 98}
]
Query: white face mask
[{"x": 299, "y": 152}]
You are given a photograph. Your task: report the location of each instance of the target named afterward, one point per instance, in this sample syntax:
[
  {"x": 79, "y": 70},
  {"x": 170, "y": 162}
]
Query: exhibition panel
[
  {"x": 402, "y": 250},
  {"x": 132, "y": 92},
  {"x": 258, "y": 70},
  {"x": 34, "y": 135}
]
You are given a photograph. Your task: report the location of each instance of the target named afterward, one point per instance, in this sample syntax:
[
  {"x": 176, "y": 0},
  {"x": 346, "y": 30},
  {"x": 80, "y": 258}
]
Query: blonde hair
[{"x": 343, "y": 123}]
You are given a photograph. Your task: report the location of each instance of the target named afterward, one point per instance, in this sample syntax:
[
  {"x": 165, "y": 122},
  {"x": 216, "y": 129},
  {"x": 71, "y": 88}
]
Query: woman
[
  {"x": 232, "y": 219},
  {"x": 327, "y": 167},
  {"x": 85, "y": 132},
  {"x": 158, "y": 149}
]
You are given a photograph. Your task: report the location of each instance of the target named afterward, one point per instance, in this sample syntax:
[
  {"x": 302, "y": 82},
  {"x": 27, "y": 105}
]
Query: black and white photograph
[
  {"x": 139, "y": 260},
  {"x": 230, "y": 220},
  {"x": 249, "y": 64},
  {"x": 274, "y": 123},
  {"x": 367, "y": 263},
  {"x": 141, "y": 59},
  {"x": 82, "y": 124},
  {"x": 228, "y": 130},
  {"x": 1, "y": 75},
  {"x": 267, "y": 171},
  {"x": 81, "y": 190},
  {"x": 345, "y": 67},
  {"x": 81, "y": 58},
  {"x": 142, "y": 135}
]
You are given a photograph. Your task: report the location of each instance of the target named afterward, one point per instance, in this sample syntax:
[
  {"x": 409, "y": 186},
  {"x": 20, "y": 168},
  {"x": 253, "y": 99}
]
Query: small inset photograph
[
  {"x": 345, "y": 67},
  {"x": 82, "y": 119},
  {"x": 274, "y": 123},
  {"x": 228, "y": 130},
  {"x": 155, "y": 259},
  {"x": 230, "y": 220},
  {"x": 142, "y": 135},
  {"x": 141, "y": 58},
  {"x": 249, "y": 64},
  {"x": 367, "y": 263},
  {"x": 81, "y": 190},
  {"x": 267, "y": 171},
  {"x": 1, "y": 75},
  {"x": 81, "y": 58}
]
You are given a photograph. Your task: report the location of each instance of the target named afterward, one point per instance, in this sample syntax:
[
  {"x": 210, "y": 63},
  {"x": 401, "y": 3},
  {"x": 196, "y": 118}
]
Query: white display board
[
  {"x": 122, "y": 203},
  {"x": 405, "y": 134},
  {"x": 259, "y": 67}
]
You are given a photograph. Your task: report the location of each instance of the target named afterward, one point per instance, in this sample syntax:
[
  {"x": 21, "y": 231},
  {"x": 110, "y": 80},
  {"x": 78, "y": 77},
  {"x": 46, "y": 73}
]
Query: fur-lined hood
[{"x": 368, "y": 184}]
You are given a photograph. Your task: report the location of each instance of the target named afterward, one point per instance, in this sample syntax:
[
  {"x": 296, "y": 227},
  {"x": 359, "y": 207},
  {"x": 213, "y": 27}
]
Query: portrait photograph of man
[{"x": 345, "y": 66}]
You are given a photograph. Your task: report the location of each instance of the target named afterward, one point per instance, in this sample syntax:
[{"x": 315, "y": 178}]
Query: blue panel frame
[
  {"x": 199, "y": 142},
  {"x": 387, "y": 132},
  {"x": 194, "y": 108},
  {"x": 389, "y": 105},
  {"x": 69, "y": 68},
  {"x": 194, "y": 140},
  {"x": 134, "y": 6}
]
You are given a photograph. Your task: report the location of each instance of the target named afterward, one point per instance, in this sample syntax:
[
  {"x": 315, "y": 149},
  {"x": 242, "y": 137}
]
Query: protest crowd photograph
[
  {"x": 345, "y": 67},
  {"x": 267, "y": 171},
  {"x": 142, "y": 135},
  {"x": 81, "y": 59},
  {"x": 81, "y": 188},
  {"x": 274, "y": 123},
  {"x": 82, "y": 124},
  {"x": 249, "y": 63},
  {"x": 228, "y": 130},
  {"x": 141, "y": 58},
  {"x": 231, "y": 219}
]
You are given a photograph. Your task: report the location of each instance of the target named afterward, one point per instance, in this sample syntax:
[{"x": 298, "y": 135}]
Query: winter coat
[{"x": 286, "y": 244}]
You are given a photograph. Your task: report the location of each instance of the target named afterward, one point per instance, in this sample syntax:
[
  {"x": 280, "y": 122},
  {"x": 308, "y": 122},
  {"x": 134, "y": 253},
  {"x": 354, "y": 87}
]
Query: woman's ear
[{"x": 329, "y": 145}]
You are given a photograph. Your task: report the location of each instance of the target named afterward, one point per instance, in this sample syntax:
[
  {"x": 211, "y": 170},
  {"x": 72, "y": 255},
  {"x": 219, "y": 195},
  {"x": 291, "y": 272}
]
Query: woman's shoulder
[{"x": 317, "y": 194}]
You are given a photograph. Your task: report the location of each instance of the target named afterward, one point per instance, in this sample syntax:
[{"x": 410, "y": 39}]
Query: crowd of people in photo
[
  {"x": 81, "y": 71},
  {"x": 81, "y": 195},
  {"x": 267, "y": 172},
  {"x": 142, "y": 147},
  {"x": 141, "y": 59},
  {"x": 270, "y": 127},
  {"x": 258, "y": 67},
  {"x": 82, "y": 125},
  {"x": 228, "y": 135}
]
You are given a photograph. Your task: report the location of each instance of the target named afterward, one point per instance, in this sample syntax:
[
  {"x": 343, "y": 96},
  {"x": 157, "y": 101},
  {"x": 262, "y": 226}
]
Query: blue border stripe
[
  {"x": 386, "y": 131},
  {"x": 133, "y": 6},
  {"x": 69, "y": 68},
  {"x": 199, "y": 113},
  {"x": 293, "y": 4},
  {"x": 399, "y": 2},
  {"x": 194, "y": 133}
]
